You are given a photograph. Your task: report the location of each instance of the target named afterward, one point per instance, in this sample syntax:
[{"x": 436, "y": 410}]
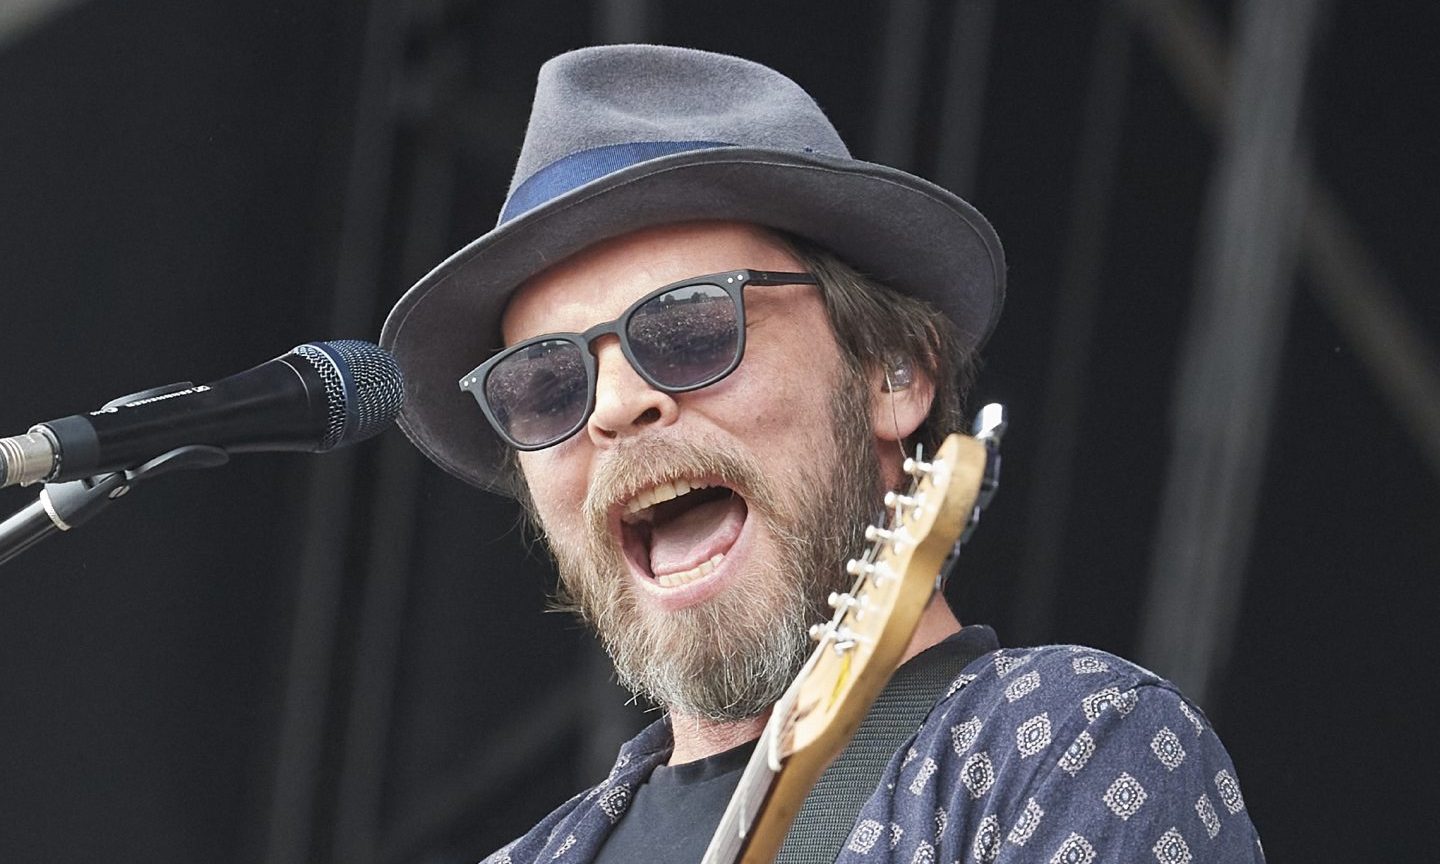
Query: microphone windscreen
[{"x": 363, "y": 388}]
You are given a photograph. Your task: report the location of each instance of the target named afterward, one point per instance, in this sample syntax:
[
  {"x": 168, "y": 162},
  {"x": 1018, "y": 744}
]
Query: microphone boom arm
[{"x": 62, "y": 506}]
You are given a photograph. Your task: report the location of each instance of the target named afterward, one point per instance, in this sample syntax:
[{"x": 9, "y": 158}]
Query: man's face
[{"x": 700, "y": 532}]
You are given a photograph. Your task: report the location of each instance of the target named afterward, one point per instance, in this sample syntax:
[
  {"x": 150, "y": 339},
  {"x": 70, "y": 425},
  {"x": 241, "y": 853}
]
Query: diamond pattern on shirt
[
  {"x": 1166, "y": 747},
  {"x": 924, "y": 854},
  {"x": 1125, "y": 796},
  {"x": 1109, "y": 697},
  {"x": 1229, "y": 791},
  {"x": 1023, "y": 686},
  {"x": 978, "y": 774},
  {"x": 863, "y": 838},
  {"x": 958, "y": 684},
  {"x": 1206, "y": 811},
  {"x": 1192, "y": 717},
  {"x": 1075, "y": 850},
  {"x": 614, "y": 802},
  {"x": 1171, "y": 848},
  {"x": 986, "y": 847},
  {"x": 963, "y": 736},
  {"x": 1025, "y": 827},
  {"x": 1007, "y": 663},
  {"x": 1033, "y": 735},
  {"x": 927, "y": 769},
  {"x": 1078, "y": 753}
]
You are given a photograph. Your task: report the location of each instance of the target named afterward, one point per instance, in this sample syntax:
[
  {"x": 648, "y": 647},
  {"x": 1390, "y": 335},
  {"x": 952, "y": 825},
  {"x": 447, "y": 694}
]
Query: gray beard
[{"x": 733, "y": 656}]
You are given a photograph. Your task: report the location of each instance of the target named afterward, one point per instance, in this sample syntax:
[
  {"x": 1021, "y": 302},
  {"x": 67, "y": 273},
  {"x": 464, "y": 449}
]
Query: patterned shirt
[{"x": 1060, "y": 754}]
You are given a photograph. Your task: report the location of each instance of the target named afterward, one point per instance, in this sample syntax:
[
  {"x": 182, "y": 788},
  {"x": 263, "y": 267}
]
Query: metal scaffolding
[{"x": 1224, "y": 397}]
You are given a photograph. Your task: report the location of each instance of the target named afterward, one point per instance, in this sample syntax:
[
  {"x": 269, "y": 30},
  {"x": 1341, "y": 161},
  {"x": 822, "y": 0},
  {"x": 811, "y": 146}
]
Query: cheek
[
  {"x": 555, "y": 487},
  {"x": 786, "y": 387}
]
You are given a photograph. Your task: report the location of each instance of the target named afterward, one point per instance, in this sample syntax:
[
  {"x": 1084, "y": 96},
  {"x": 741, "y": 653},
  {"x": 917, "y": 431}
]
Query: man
[{"x": 703, "y": 339}]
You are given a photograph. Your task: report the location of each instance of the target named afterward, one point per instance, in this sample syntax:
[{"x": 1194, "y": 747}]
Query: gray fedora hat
[{"x": 624, "y": 137}]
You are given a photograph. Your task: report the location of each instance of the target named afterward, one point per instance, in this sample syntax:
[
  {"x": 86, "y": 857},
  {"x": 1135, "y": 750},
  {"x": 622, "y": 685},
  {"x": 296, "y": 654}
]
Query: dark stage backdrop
[{"x": 346, "y": 658}]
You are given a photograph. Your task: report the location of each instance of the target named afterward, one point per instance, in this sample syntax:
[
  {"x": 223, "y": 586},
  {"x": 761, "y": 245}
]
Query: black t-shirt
[{"x": 676, "y": 811}]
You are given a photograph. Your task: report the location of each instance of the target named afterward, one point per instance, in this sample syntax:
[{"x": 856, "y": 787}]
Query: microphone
[{"x": 319, "y": 396}]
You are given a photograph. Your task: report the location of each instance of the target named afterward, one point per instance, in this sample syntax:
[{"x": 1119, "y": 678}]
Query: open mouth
[{"x": 678, "y": 532}]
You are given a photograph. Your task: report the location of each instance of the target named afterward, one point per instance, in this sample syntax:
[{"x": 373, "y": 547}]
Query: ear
[{"x": 898, "y": 406}]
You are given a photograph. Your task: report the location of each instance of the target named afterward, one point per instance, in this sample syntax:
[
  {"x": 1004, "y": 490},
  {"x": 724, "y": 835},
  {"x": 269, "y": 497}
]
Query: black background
[{"x": 189, "y": 189}]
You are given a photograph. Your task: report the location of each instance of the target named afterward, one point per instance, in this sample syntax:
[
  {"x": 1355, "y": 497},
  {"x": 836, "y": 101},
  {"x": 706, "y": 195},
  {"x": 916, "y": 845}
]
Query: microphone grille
[{"x": 363, "y": 388}]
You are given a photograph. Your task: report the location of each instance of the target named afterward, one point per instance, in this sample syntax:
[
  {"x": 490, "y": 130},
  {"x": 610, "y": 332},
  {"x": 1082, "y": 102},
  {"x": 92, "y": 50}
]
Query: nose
[{"x": 625, "y": 404}]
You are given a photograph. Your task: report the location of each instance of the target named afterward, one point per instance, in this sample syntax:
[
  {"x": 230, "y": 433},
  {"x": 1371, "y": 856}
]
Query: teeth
[
  {"x": 648, "y": 498},
  {"x": 675, "y": 580}
]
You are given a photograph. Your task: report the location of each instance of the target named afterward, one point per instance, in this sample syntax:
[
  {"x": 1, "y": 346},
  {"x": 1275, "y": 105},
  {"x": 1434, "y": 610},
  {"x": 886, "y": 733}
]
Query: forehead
[{"x": 600, "y": 282}]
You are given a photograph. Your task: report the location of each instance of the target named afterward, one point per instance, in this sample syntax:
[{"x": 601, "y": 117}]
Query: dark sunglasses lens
[
  {"x": 687, "y": 336},
  {"x": 538, "y": 394}
]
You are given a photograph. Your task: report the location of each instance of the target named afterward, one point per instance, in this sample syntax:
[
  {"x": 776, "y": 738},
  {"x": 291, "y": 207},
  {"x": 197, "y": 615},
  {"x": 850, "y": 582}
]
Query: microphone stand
[{"x": 62, "y": 506}]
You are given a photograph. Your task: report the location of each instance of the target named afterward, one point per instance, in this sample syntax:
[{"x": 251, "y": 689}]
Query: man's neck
[{"x": 698, "y": 737}]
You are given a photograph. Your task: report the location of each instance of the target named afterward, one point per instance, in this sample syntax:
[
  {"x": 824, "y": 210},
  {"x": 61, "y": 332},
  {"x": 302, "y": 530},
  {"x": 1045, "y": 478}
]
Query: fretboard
[{"x": 729, "y": 839}]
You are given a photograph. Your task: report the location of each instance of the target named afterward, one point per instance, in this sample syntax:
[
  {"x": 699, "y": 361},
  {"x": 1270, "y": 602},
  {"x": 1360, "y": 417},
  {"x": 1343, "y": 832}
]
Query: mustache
[{"x": 642, "y": 463}]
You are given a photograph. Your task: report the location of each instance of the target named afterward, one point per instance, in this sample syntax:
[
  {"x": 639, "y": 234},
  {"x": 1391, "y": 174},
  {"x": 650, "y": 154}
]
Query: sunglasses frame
[{"x": 732, "y": 282}]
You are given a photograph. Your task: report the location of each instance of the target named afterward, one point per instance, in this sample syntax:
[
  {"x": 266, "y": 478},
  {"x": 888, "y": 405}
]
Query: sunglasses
[{"x": 681, "y": 337}]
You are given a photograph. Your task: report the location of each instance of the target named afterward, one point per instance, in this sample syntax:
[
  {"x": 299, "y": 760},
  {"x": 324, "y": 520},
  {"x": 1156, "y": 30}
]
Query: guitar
[{"x": 860, "y": 646}]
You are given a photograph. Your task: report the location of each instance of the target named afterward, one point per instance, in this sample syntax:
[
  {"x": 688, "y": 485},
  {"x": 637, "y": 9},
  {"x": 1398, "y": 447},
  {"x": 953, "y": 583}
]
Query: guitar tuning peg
[
  {"x": 917, "y": 469},
  {"x": 838, "y": 600},
  {"x": 873, "y": 533},
  {"x": 879, "y": 573},
  {"x": 845, "y": 640},
  {"x": 900, "y": 502},
  {"x": 818, "y": 631},
  {"x": 876, "y": 534}
]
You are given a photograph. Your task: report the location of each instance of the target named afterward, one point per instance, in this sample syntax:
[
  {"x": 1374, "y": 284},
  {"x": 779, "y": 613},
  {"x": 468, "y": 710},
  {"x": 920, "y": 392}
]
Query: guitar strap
[{"x": 830, "y": 810}]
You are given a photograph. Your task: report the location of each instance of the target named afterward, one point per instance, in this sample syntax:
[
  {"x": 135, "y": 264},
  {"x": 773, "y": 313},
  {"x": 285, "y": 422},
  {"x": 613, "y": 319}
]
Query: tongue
[{"x": 696, "y": 535}]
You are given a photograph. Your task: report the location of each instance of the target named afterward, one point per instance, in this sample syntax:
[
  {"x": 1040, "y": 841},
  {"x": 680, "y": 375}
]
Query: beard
[{"x": 732, "y": 656}]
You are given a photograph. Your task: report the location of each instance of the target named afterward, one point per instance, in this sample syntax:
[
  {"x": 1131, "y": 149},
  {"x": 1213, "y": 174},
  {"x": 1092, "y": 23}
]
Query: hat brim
[{"x": 901, "y": 230}]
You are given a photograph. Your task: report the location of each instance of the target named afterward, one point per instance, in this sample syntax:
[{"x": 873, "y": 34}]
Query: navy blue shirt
[{"x": 1058, "y": 754}]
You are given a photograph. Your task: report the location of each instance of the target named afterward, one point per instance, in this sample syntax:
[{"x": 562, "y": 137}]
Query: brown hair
[{"x": 877, "y": 327}]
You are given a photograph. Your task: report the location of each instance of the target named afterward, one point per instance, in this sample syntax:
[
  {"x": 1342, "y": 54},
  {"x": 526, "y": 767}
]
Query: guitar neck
[
  {"x": 860, "y": 647},
  {"x": 745, "y": 805},
  {"x": 747, "y": 826}
]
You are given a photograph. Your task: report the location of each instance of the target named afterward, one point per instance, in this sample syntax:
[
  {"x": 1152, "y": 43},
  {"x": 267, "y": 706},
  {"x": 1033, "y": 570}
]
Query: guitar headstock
[{"x": 860, "y": 646}]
